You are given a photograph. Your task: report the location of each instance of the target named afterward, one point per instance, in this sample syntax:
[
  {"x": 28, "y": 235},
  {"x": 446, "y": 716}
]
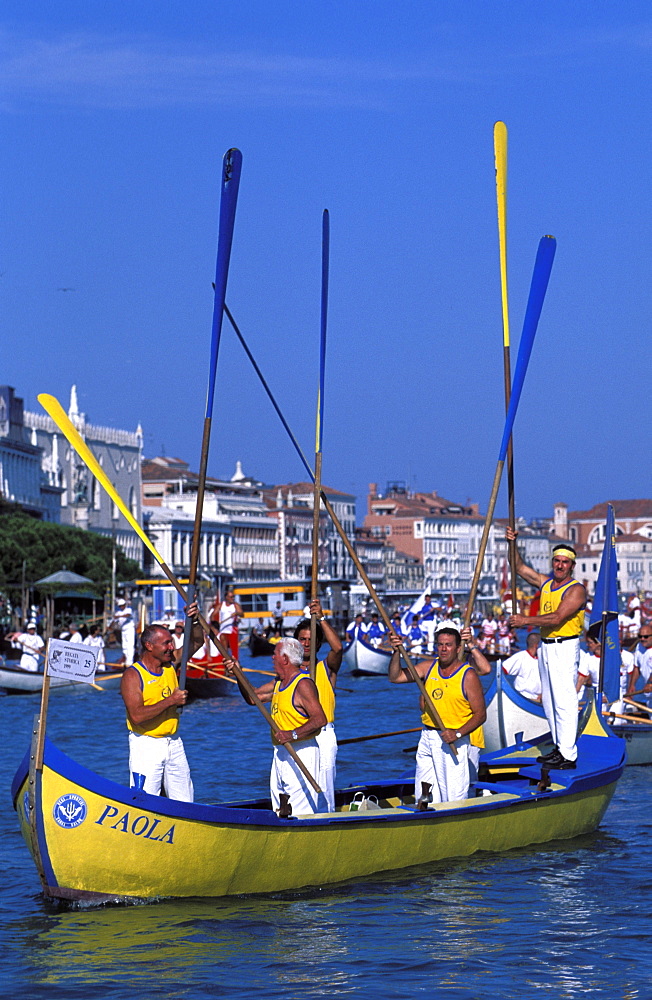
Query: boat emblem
[{"x": 69, "y": 811}]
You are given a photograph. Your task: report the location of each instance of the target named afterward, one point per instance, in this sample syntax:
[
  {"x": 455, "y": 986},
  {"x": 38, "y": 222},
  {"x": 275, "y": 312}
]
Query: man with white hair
[{"x": 299, "y": 717}]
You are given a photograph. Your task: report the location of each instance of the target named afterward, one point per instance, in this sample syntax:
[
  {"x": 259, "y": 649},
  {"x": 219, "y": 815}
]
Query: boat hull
[
  {"x": 370, "y": 661},
  {"x": 92, "y": 838}
]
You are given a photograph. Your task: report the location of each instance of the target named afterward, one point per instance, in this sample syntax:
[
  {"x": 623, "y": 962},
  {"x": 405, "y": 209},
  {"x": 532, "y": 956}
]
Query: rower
[
  {"x": 561, "y": 621},
  {"x": 456, "y": 691},
  {"x": 298, "y": 716}
]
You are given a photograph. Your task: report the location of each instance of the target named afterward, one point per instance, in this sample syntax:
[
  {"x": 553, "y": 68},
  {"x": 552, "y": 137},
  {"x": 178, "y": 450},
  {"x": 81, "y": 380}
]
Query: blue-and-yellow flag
[{"x": 603, "y": 624}]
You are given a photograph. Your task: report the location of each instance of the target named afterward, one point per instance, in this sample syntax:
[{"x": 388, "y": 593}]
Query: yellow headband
[{"x": 565, "y": 554}]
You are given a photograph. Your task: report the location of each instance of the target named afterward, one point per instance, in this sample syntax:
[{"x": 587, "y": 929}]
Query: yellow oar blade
[
  {"x": 500, "y": 154},
  {"x": 55, "y": 410}
]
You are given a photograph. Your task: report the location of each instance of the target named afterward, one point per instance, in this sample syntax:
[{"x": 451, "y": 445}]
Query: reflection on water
[{"x": 562, "y": 920}]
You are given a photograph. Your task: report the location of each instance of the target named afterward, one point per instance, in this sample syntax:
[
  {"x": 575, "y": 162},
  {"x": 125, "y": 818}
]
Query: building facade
[
  {"x": 84, "y": 504},
  {"x": 442, "y": 535},
  {"x": 23, "y": 479}
]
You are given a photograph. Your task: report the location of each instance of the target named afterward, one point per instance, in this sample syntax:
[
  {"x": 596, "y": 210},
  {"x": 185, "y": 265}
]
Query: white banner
[{"x": 71, "y": 660}]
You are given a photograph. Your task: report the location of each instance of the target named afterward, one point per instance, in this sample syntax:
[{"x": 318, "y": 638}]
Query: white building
[
  {"x": 84, "y": 504},
  {"x": 22, "y": 479}
]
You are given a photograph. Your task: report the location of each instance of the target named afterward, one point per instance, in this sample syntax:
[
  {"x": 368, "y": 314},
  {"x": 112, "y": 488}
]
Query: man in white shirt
[
  {"x": 524, "y": 668},
  {"x": 642, "y": 663},
  {"x": 74, "y": 635},
  {"x": 31, "y": 645},
  {"x": 488, "y": 631},
  {"x": 96, "y": 641},
  {"x": 123, "y": 618}
]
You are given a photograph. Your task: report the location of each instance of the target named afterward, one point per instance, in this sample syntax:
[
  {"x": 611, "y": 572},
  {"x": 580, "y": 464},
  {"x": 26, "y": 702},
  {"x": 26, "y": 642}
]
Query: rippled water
[{"x": 572, "y": 919}]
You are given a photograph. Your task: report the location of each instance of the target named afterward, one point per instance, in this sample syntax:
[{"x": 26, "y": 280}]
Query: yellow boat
[{"x": 93, "y": 839}]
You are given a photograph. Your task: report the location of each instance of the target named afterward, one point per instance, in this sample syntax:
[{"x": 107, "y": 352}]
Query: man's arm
[
  {"x": 529, "y": 574},
  {"x": 572, "y": 601},
  {"x": 133, "y": 699},
  {"x": 264, "y": 692},
  {"x": 307, "y": 699},
  {"x": 197, "y": 637},
  {"x": 334, "y": 658},
  {"x": 398, "y": 674},
  {"x": 480, "y": 663}
]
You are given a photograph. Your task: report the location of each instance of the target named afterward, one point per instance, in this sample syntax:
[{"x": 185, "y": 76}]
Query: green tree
[{"x": 47, "y": 548}]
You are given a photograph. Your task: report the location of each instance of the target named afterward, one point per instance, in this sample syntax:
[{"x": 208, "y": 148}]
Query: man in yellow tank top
[
  {"x": 561, "y": 622},
  {"x": 299, "y": 716},
  {"x": 151, "y": 694},
  {"x": 455, "y": 689}
]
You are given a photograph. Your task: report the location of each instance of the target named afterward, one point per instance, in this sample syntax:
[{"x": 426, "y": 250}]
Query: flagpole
[{"x": 500, "y": 156}]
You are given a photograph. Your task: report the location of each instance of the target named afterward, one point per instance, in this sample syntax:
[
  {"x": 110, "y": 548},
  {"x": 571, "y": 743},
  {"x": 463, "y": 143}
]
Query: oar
[
  {"x": 540, "y": 279},
  {"x": 377, "y": 736},
  {"x": 55, "y": 410},
  {"x": 430, "y": 707},
  {"x": 500, "y": 155},
  {"x": 231, "y": 168},
  {"x": 319, "y": 429},
  {"x": 629, "y": 718},
  {"x": 637, "y": 704}
]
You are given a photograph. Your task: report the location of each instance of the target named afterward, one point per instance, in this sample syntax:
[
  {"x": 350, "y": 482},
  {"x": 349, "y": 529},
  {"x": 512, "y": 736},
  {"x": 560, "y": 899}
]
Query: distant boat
[
  {"x": 97, "y": 841},
  {"x": 512, "y": 717},
  {"x": 363, "y": 658},
  {"x": 13, "y": 680}
]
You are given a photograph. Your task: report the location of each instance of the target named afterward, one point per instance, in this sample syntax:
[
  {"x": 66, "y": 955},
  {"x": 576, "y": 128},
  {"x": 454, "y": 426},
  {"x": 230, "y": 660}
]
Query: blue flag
[{"x": 606, "y": 604}]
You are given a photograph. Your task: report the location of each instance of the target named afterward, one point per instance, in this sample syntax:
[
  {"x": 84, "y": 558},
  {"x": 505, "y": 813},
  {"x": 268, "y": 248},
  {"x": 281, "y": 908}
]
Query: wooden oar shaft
[
  {"x": 314, "y": 578},
  {"x": 430, "y": 708},
  {"x": 630, "y": 718},
  {"x": 637, "y": 704},
  {"x": 483, "y": 543},
  {"x": 196, "y": 543},
  {"x": 377, "y": 736}
]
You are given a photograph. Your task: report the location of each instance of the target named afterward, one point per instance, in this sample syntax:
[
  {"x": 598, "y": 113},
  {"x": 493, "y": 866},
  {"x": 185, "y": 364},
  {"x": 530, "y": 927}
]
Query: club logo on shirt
[
  {"x": 69, "y": 811},
  {"x": 437, "y": 693}
]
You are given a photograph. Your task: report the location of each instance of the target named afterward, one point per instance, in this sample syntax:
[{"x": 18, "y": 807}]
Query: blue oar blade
[
  {"x": 325, "y": 253},
  {"x": 231, "y": 169},
  {"x": 538, "y": 287}
]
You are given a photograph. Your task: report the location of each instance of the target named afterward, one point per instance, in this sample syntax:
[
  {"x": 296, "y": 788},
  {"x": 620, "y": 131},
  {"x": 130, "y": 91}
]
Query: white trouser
[
  {"x": 436, "y": 764},
  {"x": 286, "y": 777},
  {"x": 162, "y": 759},
  {"x": 327, "y": 743},
  {"x": 29, "y": 662},
  {"x": 474, "y": 761},
  {"x": 128, "y": 640},
  {"x": 558, "y": 662}
]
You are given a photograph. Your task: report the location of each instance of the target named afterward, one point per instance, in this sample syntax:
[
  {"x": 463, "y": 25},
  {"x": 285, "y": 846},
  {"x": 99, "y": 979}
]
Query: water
[{"x": 567, "y": 920}]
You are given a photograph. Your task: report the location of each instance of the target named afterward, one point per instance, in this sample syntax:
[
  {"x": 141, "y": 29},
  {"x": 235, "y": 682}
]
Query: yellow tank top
[
  {"x": 155, "y": 687},
  {"x": 447, "y": 695},
  {"x": 550, "y": 600},
  {"x": 285, "y": 714},
  {"x": 325, "y": 690}
]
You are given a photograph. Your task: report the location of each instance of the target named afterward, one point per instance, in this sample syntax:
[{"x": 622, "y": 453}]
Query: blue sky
[{"x": 115, "y": 118}]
